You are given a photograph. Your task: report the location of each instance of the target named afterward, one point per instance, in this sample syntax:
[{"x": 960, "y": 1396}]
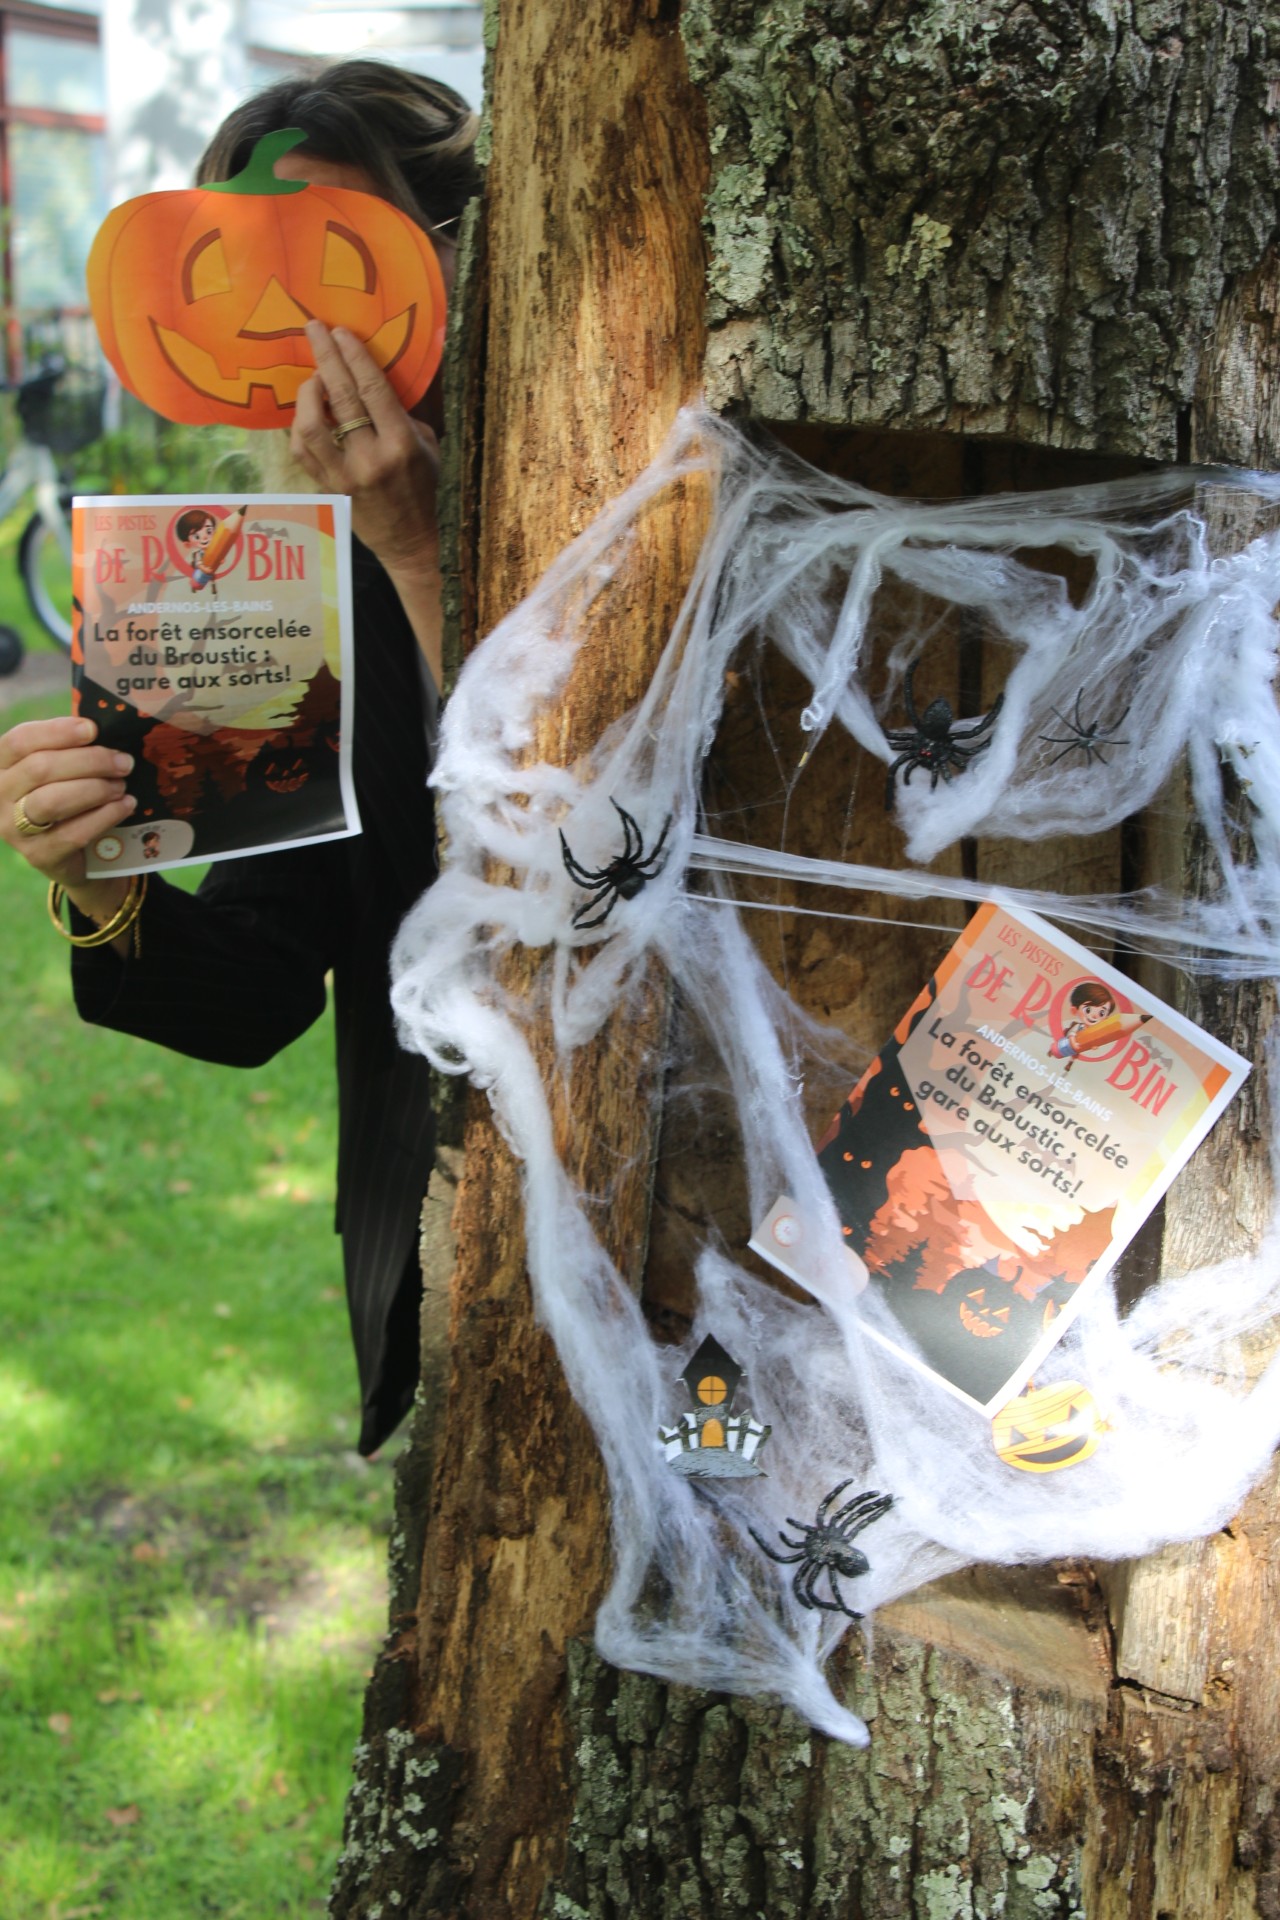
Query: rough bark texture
[
  {"x": 590, "y": 339},
  {"x": 1045, "y": 220},
  {"x": 1011, "y": 218}
]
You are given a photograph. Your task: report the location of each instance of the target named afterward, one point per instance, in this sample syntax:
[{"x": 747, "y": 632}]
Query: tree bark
[
  {"x": 953, "y": 249},
  {"x": 591, "y": 343}
]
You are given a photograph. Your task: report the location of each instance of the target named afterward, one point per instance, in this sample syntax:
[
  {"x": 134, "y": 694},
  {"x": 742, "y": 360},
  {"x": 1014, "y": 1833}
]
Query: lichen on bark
[
  {"x": 398, "y": 1857},
  {"x": 691, "y": 1804},
  {"x": 1014, "y": 218}
]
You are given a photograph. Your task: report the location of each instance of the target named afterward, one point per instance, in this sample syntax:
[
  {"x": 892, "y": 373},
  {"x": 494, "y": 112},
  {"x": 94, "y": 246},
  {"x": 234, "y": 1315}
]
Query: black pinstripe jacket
[{"x": 237, "y": 970}]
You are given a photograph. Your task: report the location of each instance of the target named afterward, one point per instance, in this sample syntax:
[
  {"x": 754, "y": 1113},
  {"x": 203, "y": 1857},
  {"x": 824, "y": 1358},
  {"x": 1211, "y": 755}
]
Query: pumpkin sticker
[
  {"x": 1048, "y": 1428},
  {"x": 201, "y": 296}
]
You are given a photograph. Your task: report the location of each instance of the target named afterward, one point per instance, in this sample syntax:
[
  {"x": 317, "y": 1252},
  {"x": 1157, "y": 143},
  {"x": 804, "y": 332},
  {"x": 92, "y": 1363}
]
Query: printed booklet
[
  {"x": 1002, "y": 1150},
  {"x": 212, "y": 641}
]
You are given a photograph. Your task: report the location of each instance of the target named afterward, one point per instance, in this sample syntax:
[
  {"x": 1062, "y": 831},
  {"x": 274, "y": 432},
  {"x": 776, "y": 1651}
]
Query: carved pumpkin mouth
[
  {"x": 198, "y": 368},
  {"x": 1022, "y": 1453}
]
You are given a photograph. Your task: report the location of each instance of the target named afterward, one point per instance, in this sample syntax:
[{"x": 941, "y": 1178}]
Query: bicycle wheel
[
  {"x": 47, "y": 578},
  {"x": 10, "y": 650}
]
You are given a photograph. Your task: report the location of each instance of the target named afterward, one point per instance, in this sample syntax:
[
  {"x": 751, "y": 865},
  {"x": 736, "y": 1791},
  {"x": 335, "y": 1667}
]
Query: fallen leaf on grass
[
  {"x": 59, "y": 1723},
  {"x": 184, "y": 1402},
  {"x": 124, "y": 1816},
  {"x": 306, "y": 1862},
  {"x": 180, "y": 1186},
  {"x": 114, "y": 1694},
  {"x": 280, "y": 1784},
  {"x": 146, "y": 1550}
]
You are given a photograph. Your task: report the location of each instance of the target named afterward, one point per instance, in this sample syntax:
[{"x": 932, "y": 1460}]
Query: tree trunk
[{"x": 953, "y": 249}]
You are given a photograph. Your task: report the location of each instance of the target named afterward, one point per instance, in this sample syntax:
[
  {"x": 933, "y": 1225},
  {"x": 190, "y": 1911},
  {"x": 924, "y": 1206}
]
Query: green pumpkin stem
[{"x": 259, "y": 174}]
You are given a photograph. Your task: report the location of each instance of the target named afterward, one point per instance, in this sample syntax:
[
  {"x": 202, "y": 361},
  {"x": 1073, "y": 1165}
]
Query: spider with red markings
[
  {"x": 826, "y": 1547},
  {"x": 623, "y": 878},
  {"x": 933, "y": 740}
]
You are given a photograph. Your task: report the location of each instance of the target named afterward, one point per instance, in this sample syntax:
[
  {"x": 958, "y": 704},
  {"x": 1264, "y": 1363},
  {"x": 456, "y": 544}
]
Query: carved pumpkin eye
[
  {"x": 347, "y": 261},
  {"x": 204, "y": 271}
]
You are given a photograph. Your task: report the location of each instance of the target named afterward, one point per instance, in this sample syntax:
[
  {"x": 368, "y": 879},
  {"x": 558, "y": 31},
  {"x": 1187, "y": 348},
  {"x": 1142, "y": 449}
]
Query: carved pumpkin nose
[{"x": 276, "y": 315}]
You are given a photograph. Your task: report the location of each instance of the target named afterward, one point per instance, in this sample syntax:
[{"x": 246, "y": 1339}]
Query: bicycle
[{"x": 45, "y": 544}]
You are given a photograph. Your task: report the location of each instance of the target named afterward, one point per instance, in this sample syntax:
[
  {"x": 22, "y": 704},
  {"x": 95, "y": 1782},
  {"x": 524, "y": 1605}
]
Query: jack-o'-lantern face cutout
[
  {"x": 984, "y": 1314},
  {"x": 1048, "y": 1428},
  {"x": 201, "y": 297},
  {"x": 285, "y": 773}
]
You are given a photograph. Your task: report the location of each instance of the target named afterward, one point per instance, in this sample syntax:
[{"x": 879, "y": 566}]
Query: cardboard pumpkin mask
[
  {"x": 1048, "y": 1428},
  {"x": 201, "y": 296}
]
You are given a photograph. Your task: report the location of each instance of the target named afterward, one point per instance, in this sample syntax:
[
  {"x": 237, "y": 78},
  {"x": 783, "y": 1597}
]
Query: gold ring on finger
[
  {"x": 26, "y": 826},
  {"x": 349, "y": 426}
]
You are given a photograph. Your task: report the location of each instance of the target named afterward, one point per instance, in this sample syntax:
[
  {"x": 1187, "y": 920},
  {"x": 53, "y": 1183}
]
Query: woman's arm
[{"x": 233, "y": 972}]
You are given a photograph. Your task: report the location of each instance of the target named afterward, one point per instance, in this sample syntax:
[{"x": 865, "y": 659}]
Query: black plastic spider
[
  {"x": 825, "y": 1547},
  {"x": 1089, "y": 737},
  {"x": 623, "y": 878},
  {"x": 933, "y": 739}
]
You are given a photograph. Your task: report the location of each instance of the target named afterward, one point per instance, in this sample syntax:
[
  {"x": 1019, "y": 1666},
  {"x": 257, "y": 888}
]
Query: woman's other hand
[
  {"x": 66, "y": 791},
  {"x": 389, "y": 465}
]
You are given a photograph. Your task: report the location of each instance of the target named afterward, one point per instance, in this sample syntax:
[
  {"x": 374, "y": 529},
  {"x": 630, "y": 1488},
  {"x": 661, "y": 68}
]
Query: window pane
[
  {"x": 52, "y": 70},
  {"x": 59, "y": 202}
]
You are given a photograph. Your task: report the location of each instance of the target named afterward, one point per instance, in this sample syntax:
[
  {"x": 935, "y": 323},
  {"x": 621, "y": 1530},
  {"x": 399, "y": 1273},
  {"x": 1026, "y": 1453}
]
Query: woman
[{"x": 236, "y": 971}]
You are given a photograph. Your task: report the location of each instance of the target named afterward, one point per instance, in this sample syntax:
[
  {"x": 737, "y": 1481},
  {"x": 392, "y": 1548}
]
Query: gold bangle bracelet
[{"x": 125, "y": 916}]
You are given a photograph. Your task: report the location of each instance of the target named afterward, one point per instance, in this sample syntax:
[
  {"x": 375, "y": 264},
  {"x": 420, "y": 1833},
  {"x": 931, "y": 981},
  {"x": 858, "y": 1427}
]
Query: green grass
[{"x": 191, "y": 1557}]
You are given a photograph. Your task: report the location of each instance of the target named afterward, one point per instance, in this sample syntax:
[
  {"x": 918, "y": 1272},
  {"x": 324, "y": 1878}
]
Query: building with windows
[{"x": 108, "y": 98}]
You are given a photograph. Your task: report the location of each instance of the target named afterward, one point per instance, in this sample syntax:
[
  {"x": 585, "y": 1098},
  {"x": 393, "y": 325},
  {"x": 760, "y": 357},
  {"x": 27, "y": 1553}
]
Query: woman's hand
[
  {"x": 53, "y": 778},
  {"x": 389, "y": 465}
]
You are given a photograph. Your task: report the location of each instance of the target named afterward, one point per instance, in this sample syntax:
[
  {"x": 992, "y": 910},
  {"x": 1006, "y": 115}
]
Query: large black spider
[
  {"x": 1087, "y": 735},
  {"x": 933, "y": 739},
  {"x": 623, "y": 878},
  {"x": 825, "y": 1547}
]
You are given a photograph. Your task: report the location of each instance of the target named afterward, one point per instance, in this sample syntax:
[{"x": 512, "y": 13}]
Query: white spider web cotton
[{"x": 1181, "y": 646}]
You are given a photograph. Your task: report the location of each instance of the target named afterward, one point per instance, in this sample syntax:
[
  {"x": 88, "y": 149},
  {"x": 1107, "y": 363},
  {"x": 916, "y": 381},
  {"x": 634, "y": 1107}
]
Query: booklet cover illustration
[
  {"x": 212, "y": 642},
  {"x": 1003, "y": 1149}
]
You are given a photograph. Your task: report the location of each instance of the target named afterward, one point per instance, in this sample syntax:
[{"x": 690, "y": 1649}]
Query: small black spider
[
  {"x": 1088, "y": 736},
  {"x": 623, "y": 878},
  {"x": 933, "y": 740},
  {"x": 825, "y": 1547}
]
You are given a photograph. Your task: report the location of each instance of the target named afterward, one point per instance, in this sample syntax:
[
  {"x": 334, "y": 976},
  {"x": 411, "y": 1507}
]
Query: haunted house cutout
[{"x": 711, "y": 1442}]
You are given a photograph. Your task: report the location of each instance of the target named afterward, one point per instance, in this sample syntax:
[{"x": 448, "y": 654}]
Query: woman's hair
[{"x": 414, "y": 137}]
